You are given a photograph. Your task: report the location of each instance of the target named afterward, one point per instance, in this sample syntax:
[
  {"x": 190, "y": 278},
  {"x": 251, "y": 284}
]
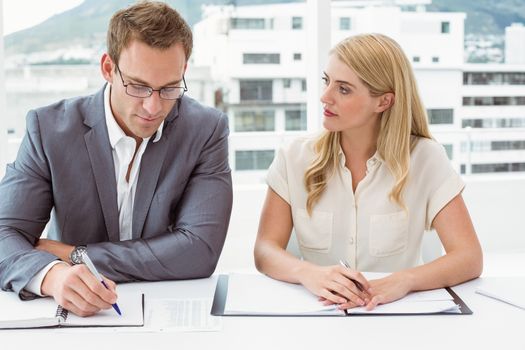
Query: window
[
  {"x": 256, "y": 90},
  {"x": 494, "y": 123},
  {"x": 449, "y": 148},
  {"x": 445, "y": 27},
  {"x": 297, "y": 22},
  {"x": 494, "y": 168},
  {"x": 344, "y": 23},
  {"x": 507, "y": 145},
  {"x": 303, "y": 85},
  {"x": 494, "y": 78},
  {"x": 441, "y": 116},
  {"x": 261, "y": 58},
  {"x": 254, "y": 120},
  {"x": 493, "y": 100},
  {"x": 247, "y": 23},
  {"x": 253, "y": 160},
  {"x": 435, "y": 59},
  {"x": 297, "y": 56},
  {"x": 287, "y": 83},
  {"x": 415, "y": 59},
  {"x": 295, "y": 119}
]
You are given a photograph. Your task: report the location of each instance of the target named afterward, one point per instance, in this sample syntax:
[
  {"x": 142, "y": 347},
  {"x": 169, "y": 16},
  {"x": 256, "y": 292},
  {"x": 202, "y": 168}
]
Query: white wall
[
  {"x": 497, "y": 207},
  {"x": 3, "y": 123}
]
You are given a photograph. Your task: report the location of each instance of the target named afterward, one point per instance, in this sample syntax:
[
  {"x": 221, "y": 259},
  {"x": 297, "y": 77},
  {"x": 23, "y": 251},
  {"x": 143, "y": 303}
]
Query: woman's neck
[{"x": 360, "y": 143}]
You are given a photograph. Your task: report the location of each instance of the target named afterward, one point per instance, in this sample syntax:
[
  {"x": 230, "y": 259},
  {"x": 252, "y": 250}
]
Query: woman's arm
[
  {"x": 330, "y": 282},
  {"x": 463, "y": 259}
]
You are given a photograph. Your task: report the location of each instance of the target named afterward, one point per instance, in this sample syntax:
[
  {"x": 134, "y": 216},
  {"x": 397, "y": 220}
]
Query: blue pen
[{"x": 91, "y": 267}]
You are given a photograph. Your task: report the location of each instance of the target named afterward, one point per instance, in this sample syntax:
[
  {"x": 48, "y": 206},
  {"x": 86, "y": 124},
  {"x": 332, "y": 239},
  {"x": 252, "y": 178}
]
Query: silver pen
[
  {"x": 357, "y": 283},
  {"x": 93, "y": 269}
]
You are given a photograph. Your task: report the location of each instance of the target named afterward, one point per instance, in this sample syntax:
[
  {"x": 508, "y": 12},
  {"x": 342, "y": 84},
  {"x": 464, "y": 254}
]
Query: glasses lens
[
  {"x": 138, "y": 90},
  {"x": 171, "y": 93}
]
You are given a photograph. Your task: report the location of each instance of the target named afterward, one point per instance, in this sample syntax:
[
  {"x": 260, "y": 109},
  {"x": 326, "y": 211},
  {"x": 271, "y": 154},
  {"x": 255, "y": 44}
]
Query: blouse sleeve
[
  {"x": 277, "y": 177},
  {"x": 444, "y": 182}
]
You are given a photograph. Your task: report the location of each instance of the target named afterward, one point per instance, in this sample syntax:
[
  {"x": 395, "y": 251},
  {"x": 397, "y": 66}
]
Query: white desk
[{"x": 494, "y": 325}]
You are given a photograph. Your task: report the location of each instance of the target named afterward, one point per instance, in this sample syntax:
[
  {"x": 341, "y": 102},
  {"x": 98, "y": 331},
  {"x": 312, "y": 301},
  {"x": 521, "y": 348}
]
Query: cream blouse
[{"x": 365, "y": 228}]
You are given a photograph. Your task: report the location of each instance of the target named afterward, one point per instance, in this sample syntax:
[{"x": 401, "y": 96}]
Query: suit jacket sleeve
[
  {"x": 191, "y": 245},
  {"x": 26, "y": 200}
]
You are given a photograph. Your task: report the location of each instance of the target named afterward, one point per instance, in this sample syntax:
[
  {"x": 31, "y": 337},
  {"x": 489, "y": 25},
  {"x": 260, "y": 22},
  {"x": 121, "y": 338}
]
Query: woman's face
[{"x": 347, "y": 102}]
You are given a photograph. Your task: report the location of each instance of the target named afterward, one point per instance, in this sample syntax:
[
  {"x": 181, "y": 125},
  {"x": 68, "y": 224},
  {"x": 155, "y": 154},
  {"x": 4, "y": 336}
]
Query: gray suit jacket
[{"x": 65, "y": 167}]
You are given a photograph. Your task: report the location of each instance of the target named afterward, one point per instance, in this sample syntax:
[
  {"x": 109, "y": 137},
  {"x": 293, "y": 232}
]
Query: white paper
[
  {"x": 189, "y": 315},
  {"x": 258, "y": 294},
  {"x": 130, "y": 304},
  {"x": 41, "y": 312},
  {"x": 410, "y": 307},
  {"x": 508, "y": 291}
]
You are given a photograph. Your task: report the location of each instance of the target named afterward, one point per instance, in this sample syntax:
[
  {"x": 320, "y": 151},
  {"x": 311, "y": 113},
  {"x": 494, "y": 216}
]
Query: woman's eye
[
  {"x": 325, "y": 80},
  {"x": 344, "y": 90}
]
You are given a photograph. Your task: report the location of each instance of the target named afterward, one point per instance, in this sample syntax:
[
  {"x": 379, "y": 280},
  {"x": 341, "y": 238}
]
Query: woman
[{"x": 365, "y": 190}]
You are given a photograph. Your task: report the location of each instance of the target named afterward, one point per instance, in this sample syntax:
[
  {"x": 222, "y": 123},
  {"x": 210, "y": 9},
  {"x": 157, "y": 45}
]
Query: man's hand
[
  {"x": 58, "y": 249},
  {"x": 77, "y": 290}
]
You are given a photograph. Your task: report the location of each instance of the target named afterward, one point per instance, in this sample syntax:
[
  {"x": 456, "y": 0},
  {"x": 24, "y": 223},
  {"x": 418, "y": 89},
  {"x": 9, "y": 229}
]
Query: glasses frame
[{"x": 152, "y": 90}]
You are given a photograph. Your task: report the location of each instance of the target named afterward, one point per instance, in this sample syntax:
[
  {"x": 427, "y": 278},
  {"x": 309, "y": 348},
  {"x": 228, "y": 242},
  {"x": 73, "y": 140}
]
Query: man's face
[{"x": 141, "y": 64}]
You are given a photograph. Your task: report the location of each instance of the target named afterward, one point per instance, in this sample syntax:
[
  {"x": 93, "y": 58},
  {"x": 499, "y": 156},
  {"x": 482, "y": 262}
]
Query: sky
[{"x": 21, "y": 14}]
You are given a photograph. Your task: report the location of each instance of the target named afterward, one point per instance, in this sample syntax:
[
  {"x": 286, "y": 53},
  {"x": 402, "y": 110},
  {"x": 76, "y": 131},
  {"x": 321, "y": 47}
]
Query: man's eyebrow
[{"x": 142, "y": 82}]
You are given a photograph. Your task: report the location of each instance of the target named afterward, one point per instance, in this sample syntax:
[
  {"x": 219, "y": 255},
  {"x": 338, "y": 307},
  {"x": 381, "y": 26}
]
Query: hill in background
[{"x": 85, "y": 25}]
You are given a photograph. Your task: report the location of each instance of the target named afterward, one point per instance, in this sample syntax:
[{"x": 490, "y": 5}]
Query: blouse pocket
[
  {"x": 388, "y": 234},
  {"x": 314, "y": 232}
]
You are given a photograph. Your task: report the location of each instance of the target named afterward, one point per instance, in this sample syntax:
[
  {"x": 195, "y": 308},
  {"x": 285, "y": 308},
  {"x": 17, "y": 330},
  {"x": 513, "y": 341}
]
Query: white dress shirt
[
  {"x": 365, "y": 228},
  {"x": 123, "y": 150}
]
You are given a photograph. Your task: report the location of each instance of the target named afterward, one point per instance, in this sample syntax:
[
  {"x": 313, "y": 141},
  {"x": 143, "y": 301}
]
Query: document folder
[{"x": 306, "y": 304}]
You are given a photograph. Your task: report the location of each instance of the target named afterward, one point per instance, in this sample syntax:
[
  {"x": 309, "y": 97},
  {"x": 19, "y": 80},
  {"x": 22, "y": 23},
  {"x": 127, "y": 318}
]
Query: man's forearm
[{"x": 172, "y": 255}]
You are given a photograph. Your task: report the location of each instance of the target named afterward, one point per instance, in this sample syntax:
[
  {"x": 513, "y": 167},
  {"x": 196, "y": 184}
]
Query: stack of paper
[{"x": 257, "y": 294}]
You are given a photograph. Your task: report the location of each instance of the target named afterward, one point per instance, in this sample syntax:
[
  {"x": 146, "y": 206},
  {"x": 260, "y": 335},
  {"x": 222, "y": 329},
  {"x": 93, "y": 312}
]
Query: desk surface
[{"x": 494, "y": 325}]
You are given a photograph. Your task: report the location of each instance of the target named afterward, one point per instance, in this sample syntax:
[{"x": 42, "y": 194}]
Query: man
[{"x": 137, "y": 175}]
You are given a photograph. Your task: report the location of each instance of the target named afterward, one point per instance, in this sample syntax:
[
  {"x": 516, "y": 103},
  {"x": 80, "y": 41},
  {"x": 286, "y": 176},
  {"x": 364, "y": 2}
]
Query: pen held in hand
[
  {"x": 92, "y": 268},
  {"x": 357, "y": 283}
]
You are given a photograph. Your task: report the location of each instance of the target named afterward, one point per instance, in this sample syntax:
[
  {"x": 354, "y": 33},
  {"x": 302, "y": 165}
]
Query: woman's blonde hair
[{"x": 382, "y": 67}]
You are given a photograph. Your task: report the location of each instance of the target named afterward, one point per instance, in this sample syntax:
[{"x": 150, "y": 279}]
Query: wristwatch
[{"x": 76, "y": 254}]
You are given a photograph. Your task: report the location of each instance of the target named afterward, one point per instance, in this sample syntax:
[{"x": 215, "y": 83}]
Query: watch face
[{"x": 76, "y": 255}]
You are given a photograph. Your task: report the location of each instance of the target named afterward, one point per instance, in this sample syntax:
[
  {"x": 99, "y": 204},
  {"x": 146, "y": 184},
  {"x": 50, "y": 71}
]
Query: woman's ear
[{"x": 385, "y": 102}]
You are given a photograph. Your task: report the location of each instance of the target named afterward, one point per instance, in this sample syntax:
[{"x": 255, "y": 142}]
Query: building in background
[
  {"x": 259, "y": 54},
  {"x": 515, "y": 44}
]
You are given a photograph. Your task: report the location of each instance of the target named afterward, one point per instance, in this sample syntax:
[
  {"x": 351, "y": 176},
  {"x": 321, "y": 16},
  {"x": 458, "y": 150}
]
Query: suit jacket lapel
[
  {"x": 99, "y": 150},
  {"x": 150, "y": 167}
]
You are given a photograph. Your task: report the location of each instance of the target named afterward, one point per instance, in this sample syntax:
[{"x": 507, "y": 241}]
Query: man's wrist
[
  {"x": 75, "y": 254},
  {"x": 48, "y": 284}
]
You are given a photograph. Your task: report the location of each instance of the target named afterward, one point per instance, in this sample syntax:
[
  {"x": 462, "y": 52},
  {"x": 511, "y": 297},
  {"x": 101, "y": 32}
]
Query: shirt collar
[
  {"x": 376, "y": 158},
  {"x": 115, "y": 132}
]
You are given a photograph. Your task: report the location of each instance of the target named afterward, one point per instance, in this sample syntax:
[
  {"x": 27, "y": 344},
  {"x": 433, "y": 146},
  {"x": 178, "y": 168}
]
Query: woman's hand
[
  {"x": 388, "y": 289},
  {"x": 335, "y": 285}
]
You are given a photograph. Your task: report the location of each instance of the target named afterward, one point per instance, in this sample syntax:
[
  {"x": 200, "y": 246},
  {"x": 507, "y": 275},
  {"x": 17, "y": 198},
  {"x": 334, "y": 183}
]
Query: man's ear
[
  {"x": 385, "y": 102},
  {"x": 107, "y": 68}
]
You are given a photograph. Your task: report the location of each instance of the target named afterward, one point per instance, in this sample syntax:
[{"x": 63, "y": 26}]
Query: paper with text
[{"x": 181, "y": 315}]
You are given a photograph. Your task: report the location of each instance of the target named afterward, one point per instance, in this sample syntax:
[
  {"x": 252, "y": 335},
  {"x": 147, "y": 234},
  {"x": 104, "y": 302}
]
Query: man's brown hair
[{"x": 154, "y": 23}]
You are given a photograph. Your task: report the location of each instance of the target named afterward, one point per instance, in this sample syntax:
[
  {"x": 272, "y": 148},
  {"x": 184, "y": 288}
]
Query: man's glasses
[{"x": 144, "y": 91}]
